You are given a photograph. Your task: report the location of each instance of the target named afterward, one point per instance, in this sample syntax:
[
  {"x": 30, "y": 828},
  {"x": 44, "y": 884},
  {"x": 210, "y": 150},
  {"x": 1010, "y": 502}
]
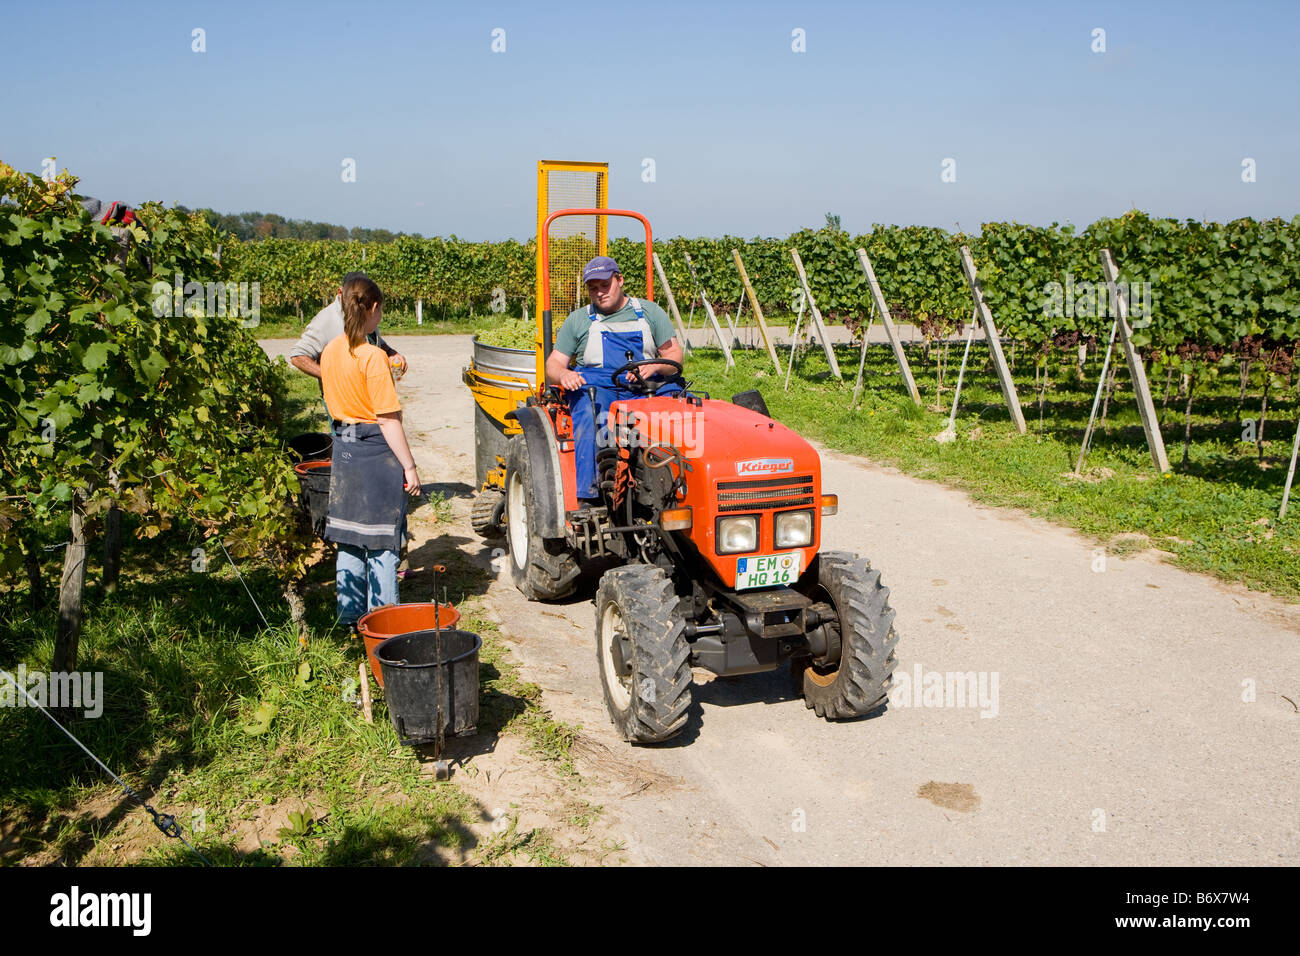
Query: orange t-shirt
[{"x": 358, "y": 387}]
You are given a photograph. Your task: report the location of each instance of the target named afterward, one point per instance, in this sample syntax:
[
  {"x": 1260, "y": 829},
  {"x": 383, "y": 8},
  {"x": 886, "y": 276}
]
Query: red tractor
[{"x": 715, "y": 511}]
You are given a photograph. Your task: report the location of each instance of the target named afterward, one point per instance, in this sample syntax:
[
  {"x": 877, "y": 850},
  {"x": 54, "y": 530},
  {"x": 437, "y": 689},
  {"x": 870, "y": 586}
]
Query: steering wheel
[{"x": 639, "y": 384}]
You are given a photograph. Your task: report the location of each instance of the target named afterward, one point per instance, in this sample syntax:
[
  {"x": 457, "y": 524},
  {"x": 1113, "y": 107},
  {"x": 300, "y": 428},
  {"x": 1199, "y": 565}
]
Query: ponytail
[{"x": 359, "y": 296}]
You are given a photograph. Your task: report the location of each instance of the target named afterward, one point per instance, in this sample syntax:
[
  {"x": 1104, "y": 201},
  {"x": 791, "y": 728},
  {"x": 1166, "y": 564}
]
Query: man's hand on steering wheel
[{"x": 635, "y": 381}]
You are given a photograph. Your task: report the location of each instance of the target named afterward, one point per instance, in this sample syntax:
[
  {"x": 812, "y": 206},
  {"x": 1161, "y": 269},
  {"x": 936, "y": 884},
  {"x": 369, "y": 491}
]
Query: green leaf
[
  {"x": 262, "y": 718},
  {"x": 13, "y": 356},
  {"x": 37, "y": 321},
  {"x": 300, "y": 825},
  {"x": 96, "y": 355},
  {"x": 152, "y": 366},
  {"x": 63, "y": 415}
]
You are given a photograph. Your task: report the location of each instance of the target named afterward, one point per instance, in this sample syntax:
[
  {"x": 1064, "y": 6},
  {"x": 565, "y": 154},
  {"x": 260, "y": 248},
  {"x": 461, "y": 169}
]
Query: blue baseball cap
[{"x": 601, "y": 267}]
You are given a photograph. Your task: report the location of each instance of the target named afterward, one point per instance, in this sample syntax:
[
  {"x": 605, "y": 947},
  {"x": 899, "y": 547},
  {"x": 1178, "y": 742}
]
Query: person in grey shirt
[{"x": 325, "y": 327}]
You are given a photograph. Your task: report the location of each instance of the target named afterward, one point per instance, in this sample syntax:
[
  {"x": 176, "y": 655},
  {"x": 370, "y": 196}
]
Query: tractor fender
[{"x": 544, "y": 465}]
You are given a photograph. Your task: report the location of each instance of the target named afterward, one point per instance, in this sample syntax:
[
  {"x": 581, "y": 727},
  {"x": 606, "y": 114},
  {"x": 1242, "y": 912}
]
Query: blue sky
[{"x": 747, "y": 136}]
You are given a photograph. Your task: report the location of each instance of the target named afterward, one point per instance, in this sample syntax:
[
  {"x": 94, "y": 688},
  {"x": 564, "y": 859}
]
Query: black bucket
[
  {"x": 313, "y": 446},
  {"x": 314, "y": 480},
  {"x": 416, "y": 676}
]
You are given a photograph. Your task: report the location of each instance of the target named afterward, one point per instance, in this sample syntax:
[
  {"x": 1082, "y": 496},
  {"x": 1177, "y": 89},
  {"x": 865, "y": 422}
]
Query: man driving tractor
[
  {"x": 600, "y": 339},
  {"x": 720, "y": 561}
]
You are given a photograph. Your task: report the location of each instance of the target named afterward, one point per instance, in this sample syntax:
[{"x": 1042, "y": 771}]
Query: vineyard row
[{"x": 1208, "y": 287}]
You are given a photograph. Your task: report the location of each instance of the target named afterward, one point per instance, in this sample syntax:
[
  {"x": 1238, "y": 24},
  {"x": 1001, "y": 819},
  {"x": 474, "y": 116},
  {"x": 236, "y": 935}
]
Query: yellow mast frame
[{"x": 544, "y": 208}]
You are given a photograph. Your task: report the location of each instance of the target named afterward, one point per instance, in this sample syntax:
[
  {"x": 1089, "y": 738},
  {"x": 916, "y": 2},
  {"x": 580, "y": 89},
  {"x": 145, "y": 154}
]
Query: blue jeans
[{"x": 365, "y": 579}]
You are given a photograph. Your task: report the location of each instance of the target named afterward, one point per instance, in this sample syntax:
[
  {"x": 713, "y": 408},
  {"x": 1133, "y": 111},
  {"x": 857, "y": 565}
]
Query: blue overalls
[{"x": 606, "y": 351}]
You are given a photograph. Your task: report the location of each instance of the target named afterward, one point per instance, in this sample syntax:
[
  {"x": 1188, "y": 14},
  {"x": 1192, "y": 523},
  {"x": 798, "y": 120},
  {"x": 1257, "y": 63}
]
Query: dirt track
[{"x": 1120, "y": 736}]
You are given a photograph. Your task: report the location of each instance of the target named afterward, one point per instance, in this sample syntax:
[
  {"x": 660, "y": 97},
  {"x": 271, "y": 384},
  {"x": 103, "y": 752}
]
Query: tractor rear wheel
[
  {"x": 543, "y": 569},
  {"x": 859, "y": 683},
  {"x": 643, "y": 653},
  {"x": 488, "y": 515}
]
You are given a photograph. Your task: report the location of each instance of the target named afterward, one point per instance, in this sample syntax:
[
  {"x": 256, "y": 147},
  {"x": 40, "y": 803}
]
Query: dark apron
[{"x": 367, "y": 500}]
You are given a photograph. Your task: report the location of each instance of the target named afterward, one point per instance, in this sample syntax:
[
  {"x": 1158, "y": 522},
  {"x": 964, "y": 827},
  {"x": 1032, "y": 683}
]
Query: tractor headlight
[
  {"x": 794, "y": 529},
  {"x": 737, "y": 534}
]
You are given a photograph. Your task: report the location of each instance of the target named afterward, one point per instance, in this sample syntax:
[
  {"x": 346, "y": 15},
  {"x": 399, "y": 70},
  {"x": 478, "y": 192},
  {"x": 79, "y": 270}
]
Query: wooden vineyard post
[
  {"x": 672, "y": 304},
  {"x": 862, "y": 355},
  {"x": 1290, "y": 472},
  {"x": 995, "y": 343},
  {"x": 949, "y": 432},
  {"x": 1096, "y": 400},
  {"x": 1138, "y": 372},
  {"x": 794, "y": 344},
  {"x": 758, "y": 310},
  {"x": 816, "y": 315},
  {"x": 67, "y": 635},
  {"x": 367, "y": 709},
  {"x": 112, "y": 549},
  {"x": 708, "y": 311},
  {"x": 879, "y": 300}
]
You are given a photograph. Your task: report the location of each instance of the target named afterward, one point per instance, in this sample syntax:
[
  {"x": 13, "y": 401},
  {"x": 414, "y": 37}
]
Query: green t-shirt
[{"x": 572, "y": 337}]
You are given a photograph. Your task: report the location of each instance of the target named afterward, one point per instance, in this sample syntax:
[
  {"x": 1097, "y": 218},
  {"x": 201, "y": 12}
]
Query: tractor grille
[{"x": 765, "y": 494}]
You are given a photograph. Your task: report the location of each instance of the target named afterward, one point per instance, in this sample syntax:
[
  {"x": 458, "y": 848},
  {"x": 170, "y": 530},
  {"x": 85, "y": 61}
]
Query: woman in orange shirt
[{"x": 373, "y": 470}]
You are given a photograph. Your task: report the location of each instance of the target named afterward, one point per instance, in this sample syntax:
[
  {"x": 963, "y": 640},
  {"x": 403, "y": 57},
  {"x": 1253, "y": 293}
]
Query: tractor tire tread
[
  {"x": 553, "y": 569},
  {"x": 865, "y": 675},
  {"x": 661, "y": 653},
  {"x": 486, "y": 513}
]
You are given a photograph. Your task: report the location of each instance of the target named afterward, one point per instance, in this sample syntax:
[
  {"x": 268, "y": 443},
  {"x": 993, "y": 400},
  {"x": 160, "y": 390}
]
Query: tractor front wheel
[
  {"x": 643, "y": 653},
  {"x": 859, "y": 682},
  {"x": 543, "y": 569}
]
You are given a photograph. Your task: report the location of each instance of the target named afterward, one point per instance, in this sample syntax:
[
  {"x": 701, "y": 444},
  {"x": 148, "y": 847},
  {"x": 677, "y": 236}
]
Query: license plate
[{"x": 766, "y": 570}]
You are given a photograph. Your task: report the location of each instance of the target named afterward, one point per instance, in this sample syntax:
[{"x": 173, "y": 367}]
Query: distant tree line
[{"x": 269, "y": 225}]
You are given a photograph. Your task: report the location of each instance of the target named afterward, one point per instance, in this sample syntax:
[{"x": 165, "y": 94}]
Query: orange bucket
[{"x": 393, "y": 619}]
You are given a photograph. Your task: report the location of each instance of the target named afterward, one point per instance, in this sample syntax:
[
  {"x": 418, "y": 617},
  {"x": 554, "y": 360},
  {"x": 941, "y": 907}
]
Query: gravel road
[{"x": 1132, "y": 713}]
